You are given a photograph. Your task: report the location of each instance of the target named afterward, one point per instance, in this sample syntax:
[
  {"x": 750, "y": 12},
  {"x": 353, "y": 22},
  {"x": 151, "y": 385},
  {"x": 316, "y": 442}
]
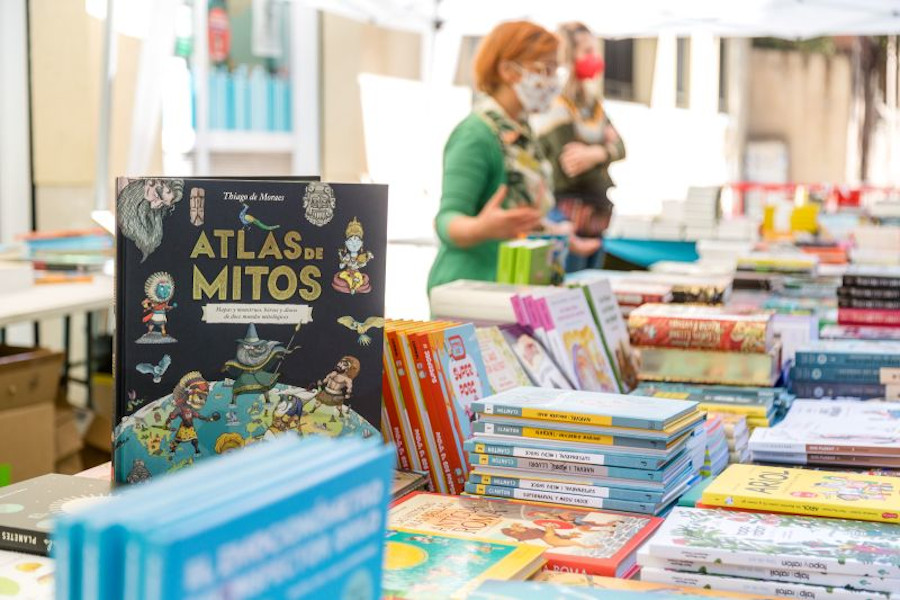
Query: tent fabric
[{"x": 793, "y": 19}]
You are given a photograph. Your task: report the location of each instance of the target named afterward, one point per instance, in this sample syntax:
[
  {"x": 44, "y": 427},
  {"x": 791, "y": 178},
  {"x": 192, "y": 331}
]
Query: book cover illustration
[
  {"x": 554, "y": 585},
  {"x": 25, "y": 576},
  {"x": 262, "y": 315},
  {"x": 538, "y": 363},
  {"x": 801, "y": 491},
  {"x": 593, "y": 541},
  {"x": 614, "y": 331},
  {"x": 700, "y": 327},
  {"x": 765, "y": 539},
  {"x": 503, "y": 369},
  {"x": 28, "y": 508},
  {"x": 426, "y": 565}
]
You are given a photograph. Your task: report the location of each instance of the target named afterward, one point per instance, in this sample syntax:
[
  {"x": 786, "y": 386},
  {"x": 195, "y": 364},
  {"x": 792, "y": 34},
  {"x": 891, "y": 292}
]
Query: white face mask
[{"x": 536, "y": 92}]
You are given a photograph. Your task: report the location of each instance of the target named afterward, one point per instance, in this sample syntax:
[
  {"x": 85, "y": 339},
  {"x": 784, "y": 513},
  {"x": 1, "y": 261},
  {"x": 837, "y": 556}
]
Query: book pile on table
[
  {"x": 762, "y": 406},
  {"x": 632, "y": 294},
  {"x": 835, "y": 433},
  {"x": 792, "y": 263},
  {"x": 779, "y": 555},
  {"x": 584, "y": 332},
  {"x": 559, "y": 586},
  {"x": 806, "y": 492},
  {"x": 432, "y": 372},
  {"x": 870, "y": 296},
  {"x": 716, "y": 456},
  {"x": 705, "y": 344},
  {"x": 536, "y": 260},
  {"x": 688, "y": 285},
  {"x": 737, "y": 436},
  {"x": 847, "y": 369},
  {"x": 67, "y": 255},
  {"x": 574, "y": 540},
  {"x": 286, "y": 517},
  {"x": 585, "y": 449}
]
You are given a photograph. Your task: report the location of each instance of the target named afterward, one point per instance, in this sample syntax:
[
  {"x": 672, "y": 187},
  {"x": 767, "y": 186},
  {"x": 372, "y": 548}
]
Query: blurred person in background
[
  {"x": 581, "y": 143},
  {"x": 497, "y": 182}
]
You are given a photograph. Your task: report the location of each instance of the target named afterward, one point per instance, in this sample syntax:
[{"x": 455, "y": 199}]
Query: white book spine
[{"x": 755, "y": 586}]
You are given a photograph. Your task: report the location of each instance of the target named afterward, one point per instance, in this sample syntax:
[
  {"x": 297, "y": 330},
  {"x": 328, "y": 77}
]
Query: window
[
  {"x": 683, "y": 72},
  {"x": 619, "y": 76},
  {"x": 723, "y": 76}
]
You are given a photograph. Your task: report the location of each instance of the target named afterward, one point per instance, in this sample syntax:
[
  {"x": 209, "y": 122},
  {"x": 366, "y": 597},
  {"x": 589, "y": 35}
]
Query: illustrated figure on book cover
[{"x": 240, "y": 276}]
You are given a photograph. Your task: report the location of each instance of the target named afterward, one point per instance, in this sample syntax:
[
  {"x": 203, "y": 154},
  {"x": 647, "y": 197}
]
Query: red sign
[{"x": 219, "y": 35}]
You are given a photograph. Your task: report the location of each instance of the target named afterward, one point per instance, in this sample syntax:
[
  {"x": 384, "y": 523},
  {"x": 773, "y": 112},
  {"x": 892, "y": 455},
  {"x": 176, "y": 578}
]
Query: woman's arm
[{"x": 615, "y": 147}]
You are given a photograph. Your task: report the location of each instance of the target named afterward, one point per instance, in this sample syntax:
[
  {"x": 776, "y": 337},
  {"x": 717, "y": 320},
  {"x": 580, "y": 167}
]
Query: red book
[
  {"x": 701, "y": 328},
  {"x": 393, "y": 420},
  {"x": 868, "y": 316}
]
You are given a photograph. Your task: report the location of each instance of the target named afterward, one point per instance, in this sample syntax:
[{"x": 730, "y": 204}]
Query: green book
[
  {"x": 533, "y": 262},
  {"x": 506, "y": 262}
]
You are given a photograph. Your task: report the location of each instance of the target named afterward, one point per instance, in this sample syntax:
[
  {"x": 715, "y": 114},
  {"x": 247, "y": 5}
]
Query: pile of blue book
[
  {"x": 588, "y": 449},
  {"x": 846, "y": 369},
  {"x": 288, "y": 518}
]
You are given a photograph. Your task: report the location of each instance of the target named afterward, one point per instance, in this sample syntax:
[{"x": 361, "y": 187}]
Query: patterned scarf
[{"x": 528, "y": 172}]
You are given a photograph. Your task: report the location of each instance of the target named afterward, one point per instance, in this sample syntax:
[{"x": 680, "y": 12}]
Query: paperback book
[
  {"x": 504, "y": 372},
  {"x": 244, "y": 309},
  {"x": 710, "y": 367},
  {"x": 534, "y": 358}
]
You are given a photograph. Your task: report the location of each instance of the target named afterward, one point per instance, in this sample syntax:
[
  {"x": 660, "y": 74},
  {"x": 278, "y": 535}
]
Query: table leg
[
  {"x": 89, "y": 356},
  {"x": 67, "y": 347},
  {"x": 36, "y": 327},
  {"x": 2, "y": 335}
]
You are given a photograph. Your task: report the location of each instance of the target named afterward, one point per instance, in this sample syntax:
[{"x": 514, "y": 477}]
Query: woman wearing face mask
[
  {"x": 581, "y": 142},
  {"x": 497, "y": 181}
]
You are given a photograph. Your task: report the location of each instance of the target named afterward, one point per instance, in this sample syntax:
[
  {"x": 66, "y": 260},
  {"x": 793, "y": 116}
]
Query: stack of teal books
[
  {"x": 588, "y": 449},
  {"x": 288, "y": 518}
]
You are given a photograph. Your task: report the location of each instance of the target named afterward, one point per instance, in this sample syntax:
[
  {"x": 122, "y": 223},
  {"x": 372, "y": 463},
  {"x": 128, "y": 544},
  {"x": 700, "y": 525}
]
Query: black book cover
[
  {"x": 27, "y": 508},
  {"x": 869, "y": 293},
  {"x": 870, "y": 281},
  {"x": 864, "y": 303},
  {"x": 244, "y": 309}
]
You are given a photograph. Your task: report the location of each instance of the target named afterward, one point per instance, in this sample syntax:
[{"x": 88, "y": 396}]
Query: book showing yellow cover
[
  {"x": 805, "y": 492},
  {"x": 747, "y": 410},
  {"x": 630, "y": 585}
]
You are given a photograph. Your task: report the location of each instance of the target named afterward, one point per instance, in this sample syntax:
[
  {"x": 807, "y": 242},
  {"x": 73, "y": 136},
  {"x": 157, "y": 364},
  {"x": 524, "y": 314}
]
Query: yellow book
[
  {"x": 735, "y": 409},
  {"x": 609, "y": 583},
  {"x": 805, "y": 492}
]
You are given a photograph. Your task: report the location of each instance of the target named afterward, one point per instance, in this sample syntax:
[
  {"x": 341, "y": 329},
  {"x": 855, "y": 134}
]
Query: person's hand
[
  {"x": 499, "y": 223},
  {"x": 577, "y": 158},
  {"x": 580, "y": 246}
]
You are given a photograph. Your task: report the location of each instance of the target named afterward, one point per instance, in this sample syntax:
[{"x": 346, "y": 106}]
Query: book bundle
[
  {"x": 433, "y": 371},
  {"x": 705, "y": 345},
  {"x": 737, "y": 436},
  {"x": 870, "y": 296},
  {"x": 585, "y": 449},
  {"x": 535, "y": 260},
  {"x": 716, "y": 457},
  {"x": 677, "y": 287},
  {"x": 761, "y": 406},
  {"x": 847, "y": 369},
  {"x": 774, "y": 555},
  {"x": 835, "y": 433},
  {"x": 288, "y": 518}
]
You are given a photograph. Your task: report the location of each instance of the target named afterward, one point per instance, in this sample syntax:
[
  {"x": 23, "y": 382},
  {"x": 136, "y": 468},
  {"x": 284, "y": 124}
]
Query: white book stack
[
  {"x": 701, "y": 212},
  {"x": 876, "y": 245},
  {"x": 738, "y": 229},
  {"x": 630, "y": 226}
]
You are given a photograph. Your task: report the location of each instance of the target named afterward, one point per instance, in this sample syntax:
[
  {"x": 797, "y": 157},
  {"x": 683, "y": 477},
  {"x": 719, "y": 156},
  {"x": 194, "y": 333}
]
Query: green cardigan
[{"x": 473, "y": 170}]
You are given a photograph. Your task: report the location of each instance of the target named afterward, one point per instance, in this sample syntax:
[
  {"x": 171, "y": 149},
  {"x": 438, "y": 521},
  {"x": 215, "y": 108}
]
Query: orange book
[{"x": 392, "y": 425}]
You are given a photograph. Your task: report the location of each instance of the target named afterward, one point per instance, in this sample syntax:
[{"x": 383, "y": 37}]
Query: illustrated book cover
[
  {"x": 534, "y": 358},
  {"x": 614, "y": 332},
  {"x": 548, "y": 585},
  {"x": 504, "y": 372},
  {"x": 701, "y": 328},
  {"x": 574, "y": 539},
  {"x": 244, "y": 309}
]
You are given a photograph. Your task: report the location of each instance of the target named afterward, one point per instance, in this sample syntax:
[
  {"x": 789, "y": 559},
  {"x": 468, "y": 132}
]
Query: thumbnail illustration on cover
[{"x": 246, "y": 310}]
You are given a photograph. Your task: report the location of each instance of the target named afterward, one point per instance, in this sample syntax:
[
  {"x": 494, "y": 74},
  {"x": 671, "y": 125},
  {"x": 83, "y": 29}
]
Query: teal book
[
  {"x": 579, "y": 439},
  {"x": 527, "y": 482},
  {"x": 496, "y": 491},
  {"x": 585, "y": 453},
  {"x": 538, "y": 465},
  {"x": 587, "y": 408}
]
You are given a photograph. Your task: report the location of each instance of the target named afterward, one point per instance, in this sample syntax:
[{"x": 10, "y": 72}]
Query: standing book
[
  {"x": 614, "y": 332},
  {"x": 504, "y": 372},
  {"x": 244, "y": 309},
  {"x": 800, "y": 491},
  {"x": 534, "y": 358}
]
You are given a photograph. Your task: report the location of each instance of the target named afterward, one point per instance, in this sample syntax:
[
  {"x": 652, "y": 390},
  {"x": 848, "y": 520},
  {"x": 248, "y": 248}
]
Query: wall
[
  {"x": 348, "y": 49},
  {"x": 66, "y": 50},
  {"x": 805, "y": 101}
]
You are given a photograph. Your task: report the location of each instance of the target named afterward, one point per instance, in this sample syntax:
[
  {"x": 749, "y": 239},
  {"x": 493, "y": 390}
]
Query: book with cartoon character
[{"x": 245, "y": 309}]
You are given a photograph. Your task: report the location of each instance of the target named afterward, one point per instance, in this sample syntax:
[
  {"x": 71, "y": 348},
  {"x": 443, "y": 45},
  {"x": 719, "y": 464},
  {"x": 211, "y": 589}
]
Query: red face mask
[{"x": 589, "y": 66}]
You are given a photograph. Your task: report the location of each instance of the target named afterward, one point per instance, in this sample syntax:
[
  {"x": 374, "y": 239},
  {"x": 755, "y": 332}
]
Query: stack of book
[
  {"x": 836, "y": 433},
  {"x": 776, "y": 555},
  {"x": 737, "y": 436},
  {"x": 847, "y": 369},
  {"x": 632, "y": 294},
  {"x": 433, "y": 371},
  {"x": 688, "y": 283},
  {"x": 574, "y": 540},
  {"x": 805, "y": 492},
  {"x": 278, "y": 519},
  {"x": 67, "y": 255},
  {"x": 870, "y": 296},
  {"x": 585, "y": 449},
  {"x": 482, "y": 302},
  {"x": 876, "y": 245},
  {"x": 762, "y": 406},
  {"x": 558, "y": 586},
  {"x": 584, "y": 332},
  {"x": 717, "y": 455},
  {"x": 793, "y": 263},
  {"x": 705, "y": 344}
]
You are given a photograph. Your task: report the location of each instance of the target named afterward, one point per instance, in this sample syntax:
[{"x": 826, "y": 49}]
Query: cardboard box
[
  {"x": 28, "y": 440},
  {"x": 68, "y": 436},
  {"x": 28, "y": 376},
  {"x": 103, "y": 394},
  {"x": 70, "y": 465},
  {"x": 99, "y": 433}
]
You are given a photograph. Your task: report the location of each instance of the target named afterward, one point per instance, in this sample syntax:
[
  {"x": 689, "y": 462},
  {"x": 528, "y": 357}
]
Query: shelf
[{"x": 255, "y": 142}]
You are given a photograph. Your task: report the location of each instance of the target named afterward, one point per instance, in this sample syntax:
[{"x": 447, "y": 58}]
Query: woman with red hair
[{"x": 497, "y": 181}]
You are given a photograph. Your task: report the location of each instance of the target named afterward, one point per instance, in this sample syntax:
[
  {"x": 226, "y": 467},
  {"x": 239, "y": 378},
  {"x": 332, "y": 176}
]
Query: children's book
[
  {"x": 800, "y": 491},
  {"x": 600, "y": 488},
  {"x": 586, "y": 408},
  {"x": 244, "y": 309},
  {"x": 614, "y": 332},
  {"x": 577, "y": 342},
  {"x": 534, "y": 358},
  {"x": 861, "y": 548},
  {"x": 535, "y": 450},
  {"x": 437, "y": 565},
  {"x": 504, "y": 372},
  {"x": 575, "y": 539},
  {"x": 535, "y": 466},
  {"x": 554, "y": 585},
  {"x": 28, "y": 508}
]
